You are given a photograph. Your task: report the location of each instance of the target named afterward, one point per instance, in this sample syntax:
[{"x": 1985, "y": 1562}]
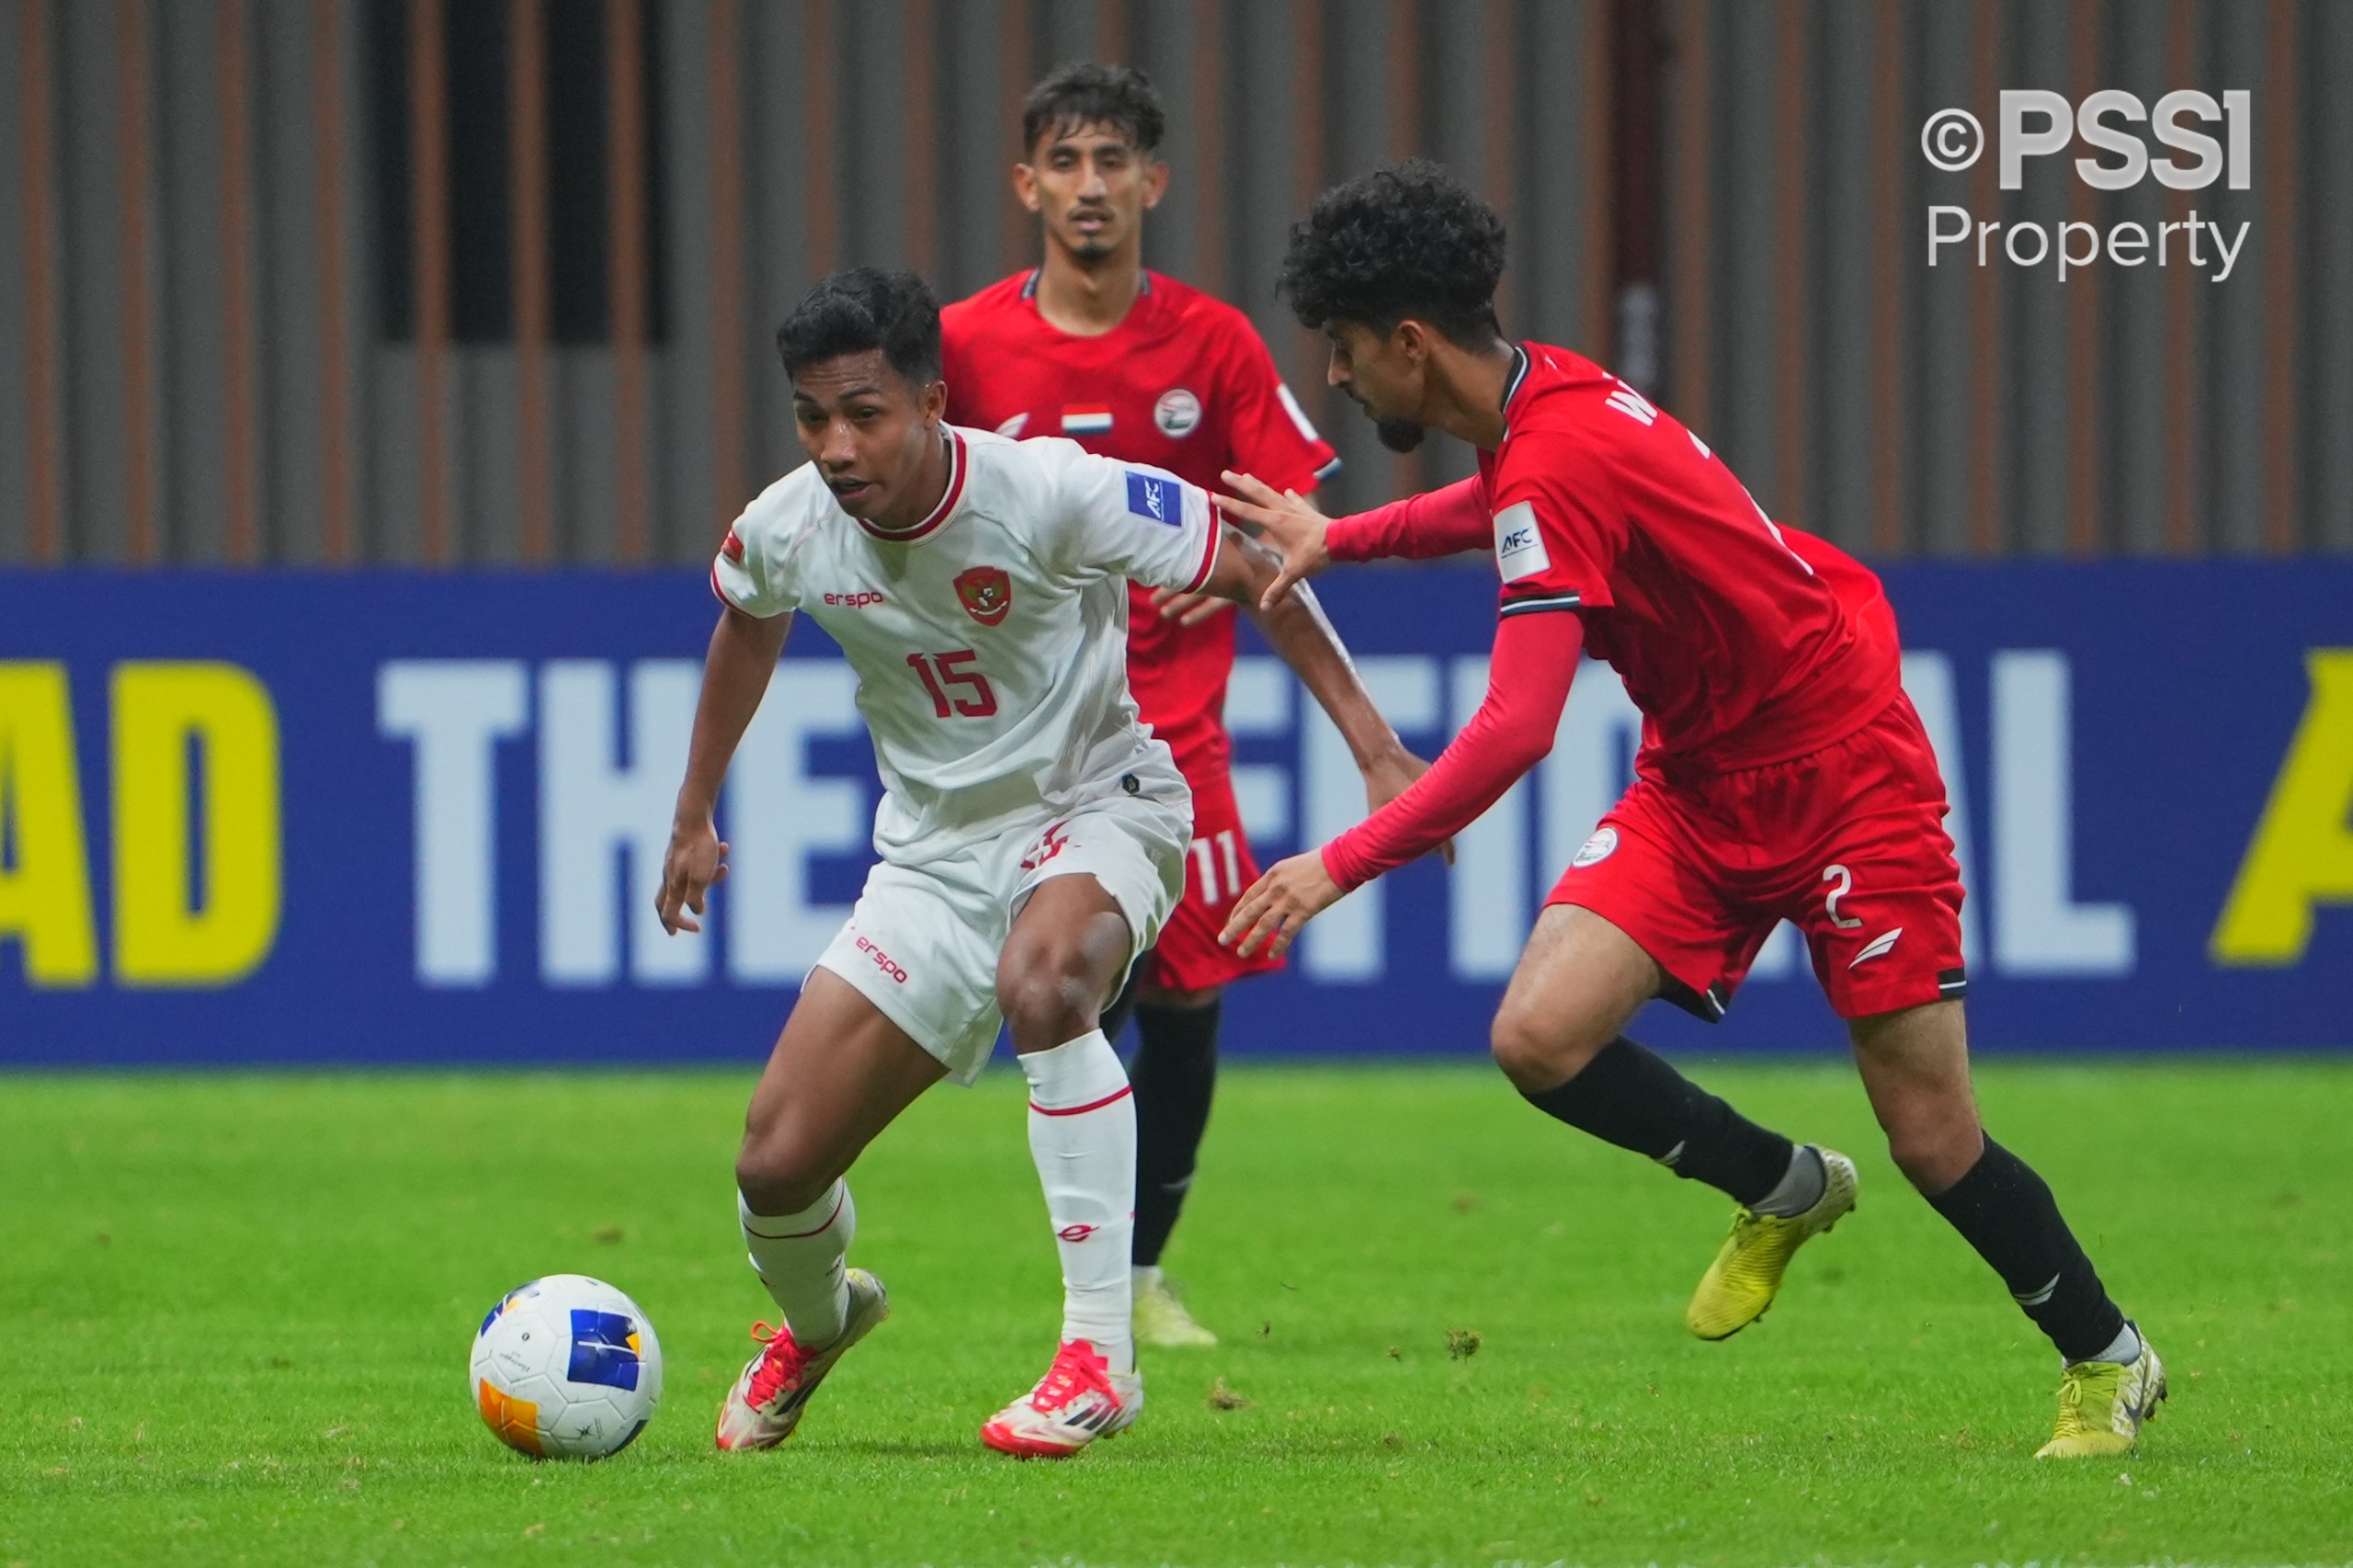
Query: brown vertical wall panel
[
  {"x": 336, "y": 541},
  {"x": 237, "y": 368},
  {"x": 200, "y": 363},
  {"x": 44, "y": 423}
]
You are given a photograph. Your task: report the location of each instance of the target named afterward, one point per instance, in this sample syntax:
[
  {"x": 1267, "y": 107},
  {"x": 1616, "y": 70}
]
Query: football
[{"x": 567, "y": 1367}]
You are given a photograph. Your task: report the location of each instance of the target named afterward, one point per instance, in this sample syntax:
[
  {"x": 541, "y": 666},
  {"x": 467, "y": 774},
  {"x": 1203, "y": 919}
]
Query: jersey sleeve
[
  {"x": 1559, "y": 526},
  {"x": 1435, "y": 523},
  {"x": 753, "y": 571},
  {"x": 1534, "y": 662},
  {"x": 1129, "y": 521},
  {"x": 1267, "y": 433}
]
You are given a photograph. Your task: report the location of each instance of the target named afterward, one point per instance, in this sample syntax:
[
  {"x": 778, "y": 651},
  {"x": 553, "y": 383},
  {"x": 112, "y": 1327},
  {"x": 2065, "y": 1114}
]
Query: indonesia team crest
[{"x": 987, "y": 593}]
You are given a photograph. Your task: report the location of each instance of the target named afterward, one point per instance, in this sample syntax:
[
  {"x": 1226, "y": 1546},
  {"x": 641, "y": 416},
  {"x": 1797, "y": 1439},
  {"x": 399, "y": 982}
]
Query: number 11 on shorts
[{"x": 1205, "y": 864}]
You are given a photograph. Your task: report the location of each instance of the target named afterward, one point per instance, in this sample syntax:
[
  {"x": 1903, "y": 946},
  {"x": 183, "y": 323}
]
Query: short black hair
[
  {"x": 1409, "y": 239},
  {"x": 861, "y": 310},
  {"x": 1083, "y": 93}
]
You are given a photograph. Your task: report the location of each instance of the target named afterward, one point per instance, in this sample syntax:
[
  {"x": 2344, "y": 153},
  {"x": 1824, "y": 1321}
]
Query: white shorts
[{"x": 922, "y": 943}]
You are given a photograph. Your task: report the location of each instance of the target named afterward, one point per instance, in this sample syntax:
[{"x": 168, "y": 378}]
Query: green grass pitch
[{"x": 238, "y": 1310}]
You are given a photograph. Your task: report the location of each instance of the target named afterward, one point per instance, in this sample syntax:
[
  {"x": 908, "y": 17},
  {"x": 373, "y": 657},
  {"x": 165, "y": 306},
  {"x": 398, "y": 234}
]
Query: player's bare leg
[
  {"x": 1915, "y": 1065},
  {"x": 841, "y": 1071},
  {"x": 1556, "y": 1038},
  {"x": 1065, "y": 955}
]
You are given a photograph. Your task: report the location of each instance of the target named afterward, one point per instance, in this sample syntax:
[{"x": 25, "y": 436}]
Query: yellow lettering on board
[
  {"x": 44, "y": 865},
  {"x": 2301, "y": 854},
  {"x": 163, "y": 934}
]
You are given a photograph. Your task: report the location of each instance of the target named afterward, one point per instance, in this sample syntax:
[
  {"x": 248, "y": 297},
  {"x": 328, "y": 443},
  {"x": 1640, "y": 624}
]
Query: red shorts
[
  {"x": 1846, "y": 843},
  {"x": 1218, "y": 866}
]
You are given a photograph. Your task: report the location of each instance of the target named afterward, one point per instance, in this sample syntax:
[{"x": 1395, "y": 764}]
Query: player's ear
[
  {"x": 1155, "y": 180},
  {"x": 1025, "y": 186},
  {"x": 933, "y": 400}
]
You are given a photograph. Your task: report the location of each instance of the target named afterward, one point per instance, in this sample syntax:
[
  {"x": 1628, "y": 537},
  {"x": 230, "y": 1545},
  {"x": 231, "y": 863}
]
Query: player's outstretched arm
[
  {"x": 1534, "y": 661},
  {"x": 1297, "y": 629},
  {"x": 1451, "y": 520},
  {"x": 743, "y": 656}
]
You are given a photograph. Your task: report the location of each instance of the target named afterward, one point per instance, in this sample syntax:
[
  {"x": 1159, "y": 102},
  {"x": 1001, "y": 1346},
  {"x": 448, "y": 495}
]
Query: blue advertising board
[{"x": 392, "y": 817}]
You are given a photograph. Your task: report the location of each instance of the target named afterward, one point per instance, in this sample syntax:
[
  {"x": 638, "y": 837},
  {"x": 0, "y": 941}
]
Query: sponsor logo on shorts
[
  {"x": 1878, "y": 947},
  {"x": 987, "y": 593},
  {"x": 1597, "y": 848},
  {"x": 882, "y": 961},
  {"x": 857, "y": 600},
  {"x": 1075, "y": 1233},
  {"x": 1050, "y": 843},
  {"x": 1178, "y": 414}
]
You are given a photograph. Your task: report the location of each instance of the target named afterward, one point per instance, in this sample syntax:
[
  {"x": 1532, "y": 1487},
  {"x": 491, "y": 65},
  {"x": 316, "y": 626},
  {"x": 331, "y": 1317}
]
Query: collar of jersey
[
  {"x": 958, "y": 466},
  {"x": 1029, "y": 286},
  {"x": 1518, "y": 378}
]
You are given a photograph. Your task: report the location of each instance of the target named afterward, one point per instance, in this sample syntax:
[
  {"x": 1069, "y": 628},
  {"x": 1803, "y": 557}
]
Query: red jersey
[
  {"x": 1616, "y": 530},
  {"x": 1183, "y": 382},
  {"x": 1742, "y": 645}
]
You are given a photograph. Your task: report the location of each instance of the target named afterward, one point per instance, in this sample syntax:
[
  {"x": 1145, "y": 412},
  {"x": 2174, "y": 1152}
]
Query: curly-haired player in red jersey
[
  {"x": 1135, "y": 366},
  {"x": 1783, "y": 776}
]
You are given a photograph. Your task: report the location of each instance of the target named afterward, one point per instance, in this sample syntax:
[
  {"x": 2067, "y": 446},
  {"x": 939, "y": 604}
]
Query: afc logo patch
[
  {"x": 987, "y": 593},
  {"x": 1178, "y": 414},
  {"x": 1597, "y": 848},
  {"x": 1157, "y": 497},
  {"x": 1519, "y": 544}
]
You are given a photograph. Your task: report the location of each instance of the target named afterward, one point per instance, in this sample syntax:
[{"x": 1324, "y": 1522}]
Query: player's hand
[
  {"x": 695, "y": 863},
  {"x": 1287, "y": 523},
  {"x": 1188, "y": 610},
  {"x": 1278, "y": 904},
  {"x": 1392, "y": 777}
]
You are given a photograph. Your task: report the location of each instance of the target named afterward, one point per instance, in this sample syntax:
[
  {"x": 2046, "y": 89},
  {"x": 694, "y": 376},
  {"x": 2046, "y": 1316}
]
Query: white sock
[
  {"x": 1802, "y": 1186},
  {"x": 1083, "y": 1135},
  {"x": 1144, "y": 1277},
  {"x": 2125, "y": 1349},
  {"x": 799, "y": 1257}
]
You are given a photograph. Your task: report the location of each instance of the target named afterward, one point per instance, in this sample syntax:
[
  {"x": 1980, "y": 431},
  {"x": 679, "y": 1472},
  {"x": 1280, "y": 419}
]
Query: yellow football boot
[
  {"x": 2102, "y": 1405},
  {"x": 1161, "y": 1320},
  {"x": 1746, "y": 1274}
]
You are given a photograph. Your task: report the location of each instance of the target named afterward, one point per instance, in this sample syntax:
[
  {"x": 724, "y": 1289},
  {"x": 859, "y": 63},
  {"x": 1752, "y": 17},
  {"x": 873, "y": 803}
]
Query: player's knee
[
  {"x": 1536, "y": 1052},
  {"x": 776, "y": 1173},
  {"x": 1047, "y": 998},
  {"x": 1935, "y": 1155}
]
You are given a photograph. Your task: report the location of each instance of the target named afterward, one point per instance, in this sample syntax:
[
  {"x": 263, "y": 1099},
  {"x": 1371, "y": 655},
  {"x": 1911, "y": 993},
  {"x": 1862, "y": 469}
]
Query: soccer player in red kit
[
  {"x": 1783, "y": 774},
  {"x": 1135, "y": 366}
]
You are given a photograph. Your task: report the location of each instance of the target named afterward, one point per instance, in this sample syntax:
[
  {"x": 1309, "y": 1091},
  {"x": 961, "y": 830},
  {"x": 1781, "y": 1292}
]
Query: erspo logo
[{"x": 2037, "y": 123}]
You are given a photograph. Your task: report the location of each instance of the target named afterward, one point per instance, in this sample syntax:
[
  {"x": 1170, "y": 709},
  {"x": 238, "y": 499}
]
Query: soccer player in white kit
[{"x": 1031, "y": 833}]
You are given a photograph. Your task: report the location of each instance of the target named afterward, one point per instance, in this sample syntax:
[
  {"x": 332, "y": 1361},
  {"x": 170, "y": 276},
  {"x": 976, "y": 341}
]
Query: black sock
[
  {"x": 1175, "y": 1071},
  {"x": 1628, "y": 1097},
  {"x": 2007, "y": 1212}
]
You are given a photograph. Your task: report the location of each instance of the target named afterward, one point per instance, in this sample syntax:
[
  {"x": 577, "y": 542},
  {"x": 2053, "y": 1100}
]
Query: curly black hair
[
  {"x": 863, "y": 309},
  {"x": 1083, "y": 93},
  {"x": 1410, "y": 240}
]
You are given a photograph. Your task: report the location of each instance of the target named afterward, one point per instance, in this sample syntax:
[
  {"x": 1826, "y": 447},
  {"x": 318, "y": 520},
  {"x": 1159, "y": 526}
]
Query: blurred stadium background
[
  {"x": 460, "y": 281},
  {"x": 362, "y": 286}
]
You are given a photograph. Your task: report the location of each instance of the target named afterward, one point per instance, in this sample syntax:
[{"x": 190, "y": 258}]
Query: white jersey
[{"x": 990, "y": 640}]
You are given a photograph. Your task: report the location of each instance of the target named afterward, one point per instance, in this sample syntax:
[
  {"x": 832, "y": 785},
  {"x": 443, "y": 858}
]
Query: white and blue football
[{"x": 567, "y": 1367}]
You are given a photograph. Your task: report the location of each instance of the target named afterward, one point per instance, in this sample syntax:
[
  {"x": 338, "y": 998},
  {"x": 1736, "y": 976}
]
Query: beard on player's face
[{"x": 1398, "y": 434}]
